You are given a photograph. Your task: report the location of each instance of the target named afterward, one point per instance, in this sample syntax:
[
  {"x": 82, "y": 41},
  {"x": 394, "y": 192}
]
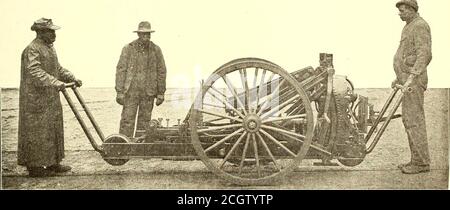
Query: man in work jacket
[
  {"x": 410, "y": 65},
  {"x": 140, "y": 78}
]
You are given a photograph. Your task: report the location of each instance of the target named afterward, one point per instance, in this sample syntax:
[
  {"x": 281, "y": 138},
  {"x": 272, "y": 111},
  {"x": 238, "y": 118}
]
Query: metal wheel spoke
[
  {"x": 213, "y": 105},
  {"x": 256, "y": 76},
  {"x": 271, "y": 77},
  {"x": 244, "y": 152},
  {"x": 220, "y": 93},
  {"x": 220, "y": 115},
  {"x": 258, "y": 94},
  {"x": 284, "y": 118},
  {"x": 277, "y": 142},
  {"x": 270, "y": 81},
  {"x": 278, "y": 107},
  {"x": 285, "y": 132},
  {"x": 267, "y": 150},
  {"x": 244, "y": 81},
  {"x": 214, "y": 96},
  {"x": 263, "y": 106},
  {"x": 223, "y": 140},
  {"x": 232, "y": 149},
  {"x": 226, "y": 103},
  {"x": 294, "y": 107},
  {"x": 262, "y": 78},
  {"x": 214, "y": 120},
  {"x": 255, "y": 150},
  {"x": 233, "y": 91},
  {"x": 219, "y": 128},
  {"x": 312, "y": 145},
  {"x": 285, "y": 94},
  {"x": 255, "y": 88}
]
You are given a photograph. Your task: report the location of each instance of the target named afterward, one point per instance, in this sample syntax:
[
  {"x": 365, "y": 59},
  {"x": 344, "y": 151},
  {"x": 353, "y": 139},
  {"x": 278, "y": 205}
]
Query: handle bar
[
  {"x": 408, "y": 89},
  {"x": 388, "y": 119},
  {"x": 73, "y": 86},
  {"x": 70, "y": 85}
]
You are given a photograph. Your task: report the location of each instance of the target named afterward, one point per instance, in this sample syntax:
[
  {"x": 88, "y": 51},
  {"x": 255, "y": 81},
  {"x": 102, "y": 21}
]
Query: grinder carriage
[{"x": 253, "y": 122}]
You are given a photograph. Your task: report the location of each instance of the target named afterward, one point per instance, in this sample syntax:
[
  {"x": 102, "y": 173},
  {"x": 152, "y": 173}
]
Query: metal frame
[{"x": 250, "y": 133}]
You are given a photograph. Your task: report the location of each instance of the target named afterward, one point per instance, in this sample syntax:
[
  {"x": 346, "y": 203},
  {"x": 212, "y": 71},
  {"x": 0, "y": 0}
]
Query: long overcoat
[{"x": 41, "y": 131}]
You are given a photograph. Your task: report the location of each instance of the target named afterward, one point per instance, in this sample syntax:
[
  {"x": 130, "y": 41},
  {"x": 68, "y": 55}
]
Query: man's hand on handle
[
  {"x": 60, "y": 86},
  {"x": 159, "y": 100},
  {"x": 405, "y": 87},
  {"x": 394, "y": 84},
  {"x": 78, "y": 82},
  {"x": 119, "y": 98}
]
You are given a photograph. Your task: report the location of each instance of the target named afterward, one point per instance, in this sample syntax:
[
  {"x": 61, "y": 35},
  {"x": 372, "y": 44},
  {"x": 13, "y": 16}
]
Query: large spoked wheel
[{"x": 241, "y": 126}]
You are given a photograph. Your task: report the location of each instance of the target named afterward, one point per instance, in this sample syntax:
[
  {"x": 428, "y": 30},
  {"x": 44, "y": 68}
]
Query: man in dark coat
[
  {"x": 41, "y": 131},
  {"x": 410, "y": 65},
  {"x": 140, "y": 78}
]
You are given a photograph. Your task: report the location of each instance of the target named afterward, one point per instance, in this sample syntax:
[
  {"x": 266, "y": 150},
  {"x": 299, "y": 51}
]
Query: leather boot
[
  {"x": 58, "y": 168},
  {"x": 40, "y": 172},
  {"x": 415, "y": 169},
  {"x": 400, "y": 166}
]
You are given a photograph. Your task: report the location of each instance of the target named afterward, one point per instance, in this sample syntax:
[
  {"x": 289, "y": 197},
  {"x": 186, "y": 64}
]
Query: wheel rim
[
  {"x": 116, "y": 138},
  {"x": 246, "y": 126}
]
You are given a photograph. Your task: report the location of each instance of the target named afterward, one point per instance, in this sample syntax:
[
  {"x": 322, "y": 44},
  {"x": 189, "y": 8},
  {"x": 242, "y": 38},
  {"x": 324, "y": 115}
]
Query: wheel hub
[{"x": 252, "y": 123}]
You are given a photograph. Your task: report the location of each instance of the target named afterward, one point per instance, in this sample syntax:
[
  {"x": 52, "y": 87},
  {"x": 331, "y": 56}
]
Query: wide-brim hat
[
  {"x": 44, "y": 23},
  {"x": 144, "y": 27},
  {"x": 411, "y": 3}
]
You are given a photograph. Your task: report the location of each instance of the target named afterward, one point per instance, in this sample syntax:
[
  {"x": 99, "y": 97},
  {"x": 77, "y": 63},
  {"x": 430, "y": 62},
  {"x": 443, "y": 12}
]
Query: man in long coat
[
  {"x": 140, "y": 78},
  {"x": 410, "y": 65},
  {"x": 41, "y": 131}
]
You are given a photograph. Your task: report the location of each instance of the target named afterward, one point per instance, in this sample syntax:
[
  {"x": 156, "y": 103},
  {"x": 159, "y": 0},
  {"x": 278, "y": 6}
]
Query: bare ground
[{"x": 378, "y": 171}]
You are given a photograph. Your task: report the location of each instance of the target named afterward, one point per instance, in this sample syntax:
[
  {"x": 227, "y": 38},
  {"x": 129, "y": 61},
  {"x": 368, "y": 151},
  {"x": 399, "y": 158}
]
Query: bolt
[
  {"x": 252, "y": 125},
  {"x": 222, "y": 152}
]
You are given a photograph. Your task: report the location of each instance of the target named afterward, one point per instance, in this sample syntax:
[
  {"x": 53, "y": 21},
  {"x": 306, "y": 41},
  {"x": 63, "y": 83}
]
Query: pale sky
[{"x": 198, "y": 36}]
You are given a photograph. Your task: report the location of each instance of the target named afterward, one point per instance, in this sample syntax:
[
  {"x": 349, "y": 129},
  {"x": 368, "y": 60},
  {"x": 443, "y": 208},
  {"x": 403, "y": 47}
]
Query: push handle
[
  {"x": 408, "y": 89},
  {"x": 88, "y": 113},
  {"x": 70, "y": 85},
  {"x": 397, "y": 103},
  {"x": 80, "y": 119}
]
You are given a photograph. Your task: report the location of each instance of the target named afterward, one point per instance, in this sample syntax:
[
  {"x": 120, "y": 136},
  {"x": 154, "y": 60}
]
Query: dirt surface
[{"x": 378, "y": 171}]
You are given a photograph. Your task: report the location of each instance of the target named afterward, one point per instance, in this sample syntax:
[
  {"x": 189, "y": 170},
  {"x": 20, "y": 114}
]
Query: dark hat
[
  {"x": 411, "y": 3},
  {"x": 144, "y": 26},
  {"x": 44, "y": 23}
]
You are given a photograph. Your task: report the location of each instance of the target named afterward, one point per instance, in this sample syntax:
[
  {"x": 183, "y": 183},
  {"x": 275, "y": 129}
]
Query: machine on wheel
[{"x": 253, "y": 122}]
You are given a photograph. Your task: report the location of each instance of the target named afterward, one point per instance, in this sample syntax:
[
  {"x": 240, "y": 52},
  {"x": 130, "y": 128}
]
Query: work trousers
[
  {"x": 413, "y": 117},
  {"x": 133, "y": 100}
]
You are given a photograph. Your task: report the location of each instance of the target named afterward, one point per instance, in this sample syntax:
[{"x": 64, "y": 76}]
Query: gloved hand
[
  {"x": 78, "y": 82},
  {"x": 159, "y": 100},
  {"x": 406, "y": 86},
  {"x": 60, "y": 85},
  {"x": 119, "y": 98},
  {"x": 395, "y": 82}
]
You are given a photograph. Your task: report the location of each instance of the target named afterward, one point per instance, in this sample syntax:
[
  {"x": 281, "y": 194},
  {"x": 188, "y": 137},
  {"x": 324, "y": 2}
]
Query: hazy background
[{"x": 197, "y": 36}]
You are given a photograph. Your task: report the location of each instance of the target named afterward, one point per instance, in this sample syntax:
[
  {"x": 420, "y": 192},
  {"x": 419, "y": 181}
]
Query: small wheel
[
  {"x": 352, "y": 155},
  {"x": 116, "y": 138},
  {"x": 247, "y": 106},
  {"x": 350, "y": 162}
]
